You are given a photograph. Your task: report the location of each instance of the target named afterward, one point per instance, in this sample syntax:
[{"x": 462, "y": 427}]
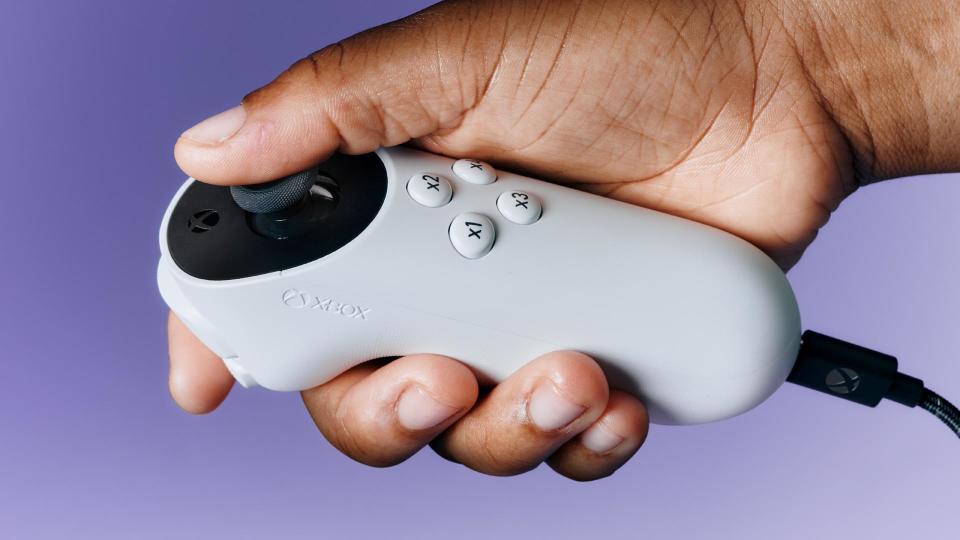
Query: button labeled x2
[{"x": 430, "y": 189}]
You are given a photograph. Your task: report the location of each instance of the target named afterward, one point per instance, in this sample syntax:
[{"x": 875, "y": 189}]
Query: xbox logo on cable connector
[{"x": 842, "y": 380}]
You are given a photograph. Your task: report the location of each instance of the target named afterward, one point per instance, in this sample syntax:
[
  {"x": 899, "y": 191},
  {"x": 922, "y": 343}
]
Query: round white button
[
  {"x": 519, "y": 207},
  {"x": 472, "y": 235},
  {"x": 430, "y": 189},
  {"x": 474, "y": 171}
]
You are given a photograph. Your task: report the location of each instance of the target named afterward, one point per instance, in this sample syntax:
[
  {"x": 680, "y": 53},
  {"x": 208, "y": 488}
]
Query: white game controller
[{"x": 403, "y": 252}]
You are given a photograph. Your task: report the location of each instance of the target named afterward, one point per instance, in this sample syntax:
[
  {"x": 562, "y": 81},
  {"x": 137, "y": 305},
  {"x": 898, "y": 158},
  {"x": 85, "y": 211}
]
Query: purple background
[{"x": 92, "y": 97}]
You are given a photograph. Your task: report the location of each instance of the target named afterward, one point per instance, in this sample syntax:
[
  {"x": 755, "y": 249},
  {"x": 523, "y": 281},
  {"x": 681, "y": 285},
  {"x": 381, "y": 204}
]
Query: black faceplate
[{"x": 224, "y": 246}]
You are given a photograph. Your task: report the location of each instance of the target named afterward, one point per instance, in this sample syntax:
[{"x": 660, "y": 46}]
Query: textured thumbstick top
[{"x": 276, "y": 195}]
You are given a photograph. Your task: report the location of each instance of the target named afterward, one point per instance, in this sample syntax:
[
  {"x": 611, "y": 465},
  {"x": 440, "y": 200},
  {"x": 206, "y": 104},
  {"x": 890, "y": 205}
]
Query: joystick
[
  {"x": 276, "y": 195},
  {"x": 287, "y": 207},
  {"x": 401, "y": 251}
]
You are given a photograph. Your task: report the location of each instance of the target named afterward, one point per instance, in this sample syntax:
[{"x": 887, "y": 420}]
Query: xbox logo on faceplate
[
  {"x": 295, "y": 299},
  {"x": 203, "y": 221}
]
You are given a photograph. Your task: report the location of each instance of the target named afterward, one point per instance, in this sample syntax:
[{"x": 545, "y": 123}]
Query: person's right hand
[{"x": 750, "y": 116}]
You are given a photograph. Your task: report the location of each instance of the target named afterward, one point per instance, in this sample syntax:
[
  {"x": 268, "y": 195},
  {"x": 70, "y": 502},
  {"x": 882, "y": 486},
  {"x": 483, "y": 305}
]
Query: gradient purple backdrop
[{"x": 92, "y": 97}]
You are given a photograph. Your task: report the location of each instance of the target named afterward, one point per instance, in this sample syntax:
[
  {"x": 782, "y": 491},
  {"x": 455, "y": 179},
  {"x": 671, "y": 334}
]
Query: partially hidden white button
[
  {"x": 474, "y": 171},
  {"x": 519, "y": 207},
  {"x": 429, "y": 189},
  {"x": 241, "y": 375},
  {"x": 472, "y": 235}
]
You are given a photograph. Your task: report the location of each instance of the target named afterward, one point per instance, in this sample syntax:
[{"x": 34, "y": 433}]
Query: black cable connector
[{"x": 864, "y": 376}]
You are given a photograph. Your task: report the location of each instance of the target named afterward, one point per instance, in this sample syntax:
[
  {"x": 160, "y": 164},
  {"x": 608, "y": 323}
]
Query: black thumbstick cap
[{"x": 276, "y": 195}]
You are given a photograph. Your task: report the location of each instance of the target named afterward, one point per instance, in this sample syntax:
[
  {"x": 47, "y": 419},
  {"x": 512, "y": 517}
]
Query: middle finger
[{"x": 529, "y": 415}]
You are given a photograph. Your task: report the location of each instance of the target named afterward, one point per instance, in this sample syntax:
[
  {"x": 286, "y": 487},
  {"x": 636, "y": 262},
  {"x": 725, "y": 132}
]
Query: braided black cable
[{"x": 942, "y": 409}]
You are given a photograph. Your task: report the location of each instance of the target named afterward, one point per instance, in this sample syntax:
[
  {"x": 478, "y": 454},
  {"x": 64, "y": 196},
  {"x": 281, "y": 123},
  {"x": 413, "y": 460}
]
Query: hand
[{"x": 748, "y": 116}]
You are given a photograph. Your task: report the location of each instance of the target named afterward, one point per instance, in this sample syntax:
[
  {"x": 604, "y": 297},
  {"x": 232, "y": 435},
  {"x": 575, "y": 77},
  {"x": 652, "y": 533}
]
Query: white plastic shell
[{"x": 697, "y": 322}]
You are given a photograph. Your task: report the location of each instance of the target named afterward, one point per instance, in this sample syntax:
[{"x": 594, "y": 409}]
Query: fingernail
[
  {"x": 417, "y": 410},
  {"x": 549, "y": 410},
  {"x": 599, "y": 439},
  {"x": 217, "y": 128}
]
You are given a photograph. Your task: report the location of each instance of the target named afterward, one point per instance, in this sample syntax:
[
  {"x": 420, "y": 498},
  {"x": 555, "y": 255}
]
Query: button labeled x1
[{"x": 472, "y": 235}]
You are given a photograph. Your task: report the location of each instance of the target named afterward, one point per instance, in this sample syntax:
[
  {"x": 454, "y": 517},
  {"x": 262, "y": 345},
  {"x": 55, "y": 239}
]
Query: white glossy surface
[{"x": 698, "y": 323}]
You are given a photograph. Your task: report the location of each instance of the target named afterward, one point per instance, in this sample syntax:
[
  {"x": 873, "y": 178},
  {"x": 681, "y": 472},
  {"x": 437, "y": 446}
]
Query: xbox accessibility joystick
[
  {"x": 288, "y": 207},
  {"x": 401, "y": 252},
  {"x": 273, "y": 196}
]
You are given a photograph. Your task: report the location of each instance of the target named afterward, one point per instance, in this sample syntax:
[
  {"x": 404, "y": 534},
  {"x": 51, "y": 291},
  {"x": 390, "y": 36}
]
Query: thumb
[{"x": 381, "y": 87}]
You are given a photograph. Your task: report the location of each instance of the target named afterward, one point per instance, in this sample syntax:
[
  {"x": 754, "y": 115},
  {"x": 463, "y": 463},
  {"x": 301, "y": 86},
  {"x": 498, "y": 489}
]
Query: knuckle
[
  {"x": 349, "y": 434},
  {"x": 499, "y": 465},
  {"x": 477, "y": 448},
  {"x": 585, "y": 476},
  {"x": 323, "y": 66}
]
